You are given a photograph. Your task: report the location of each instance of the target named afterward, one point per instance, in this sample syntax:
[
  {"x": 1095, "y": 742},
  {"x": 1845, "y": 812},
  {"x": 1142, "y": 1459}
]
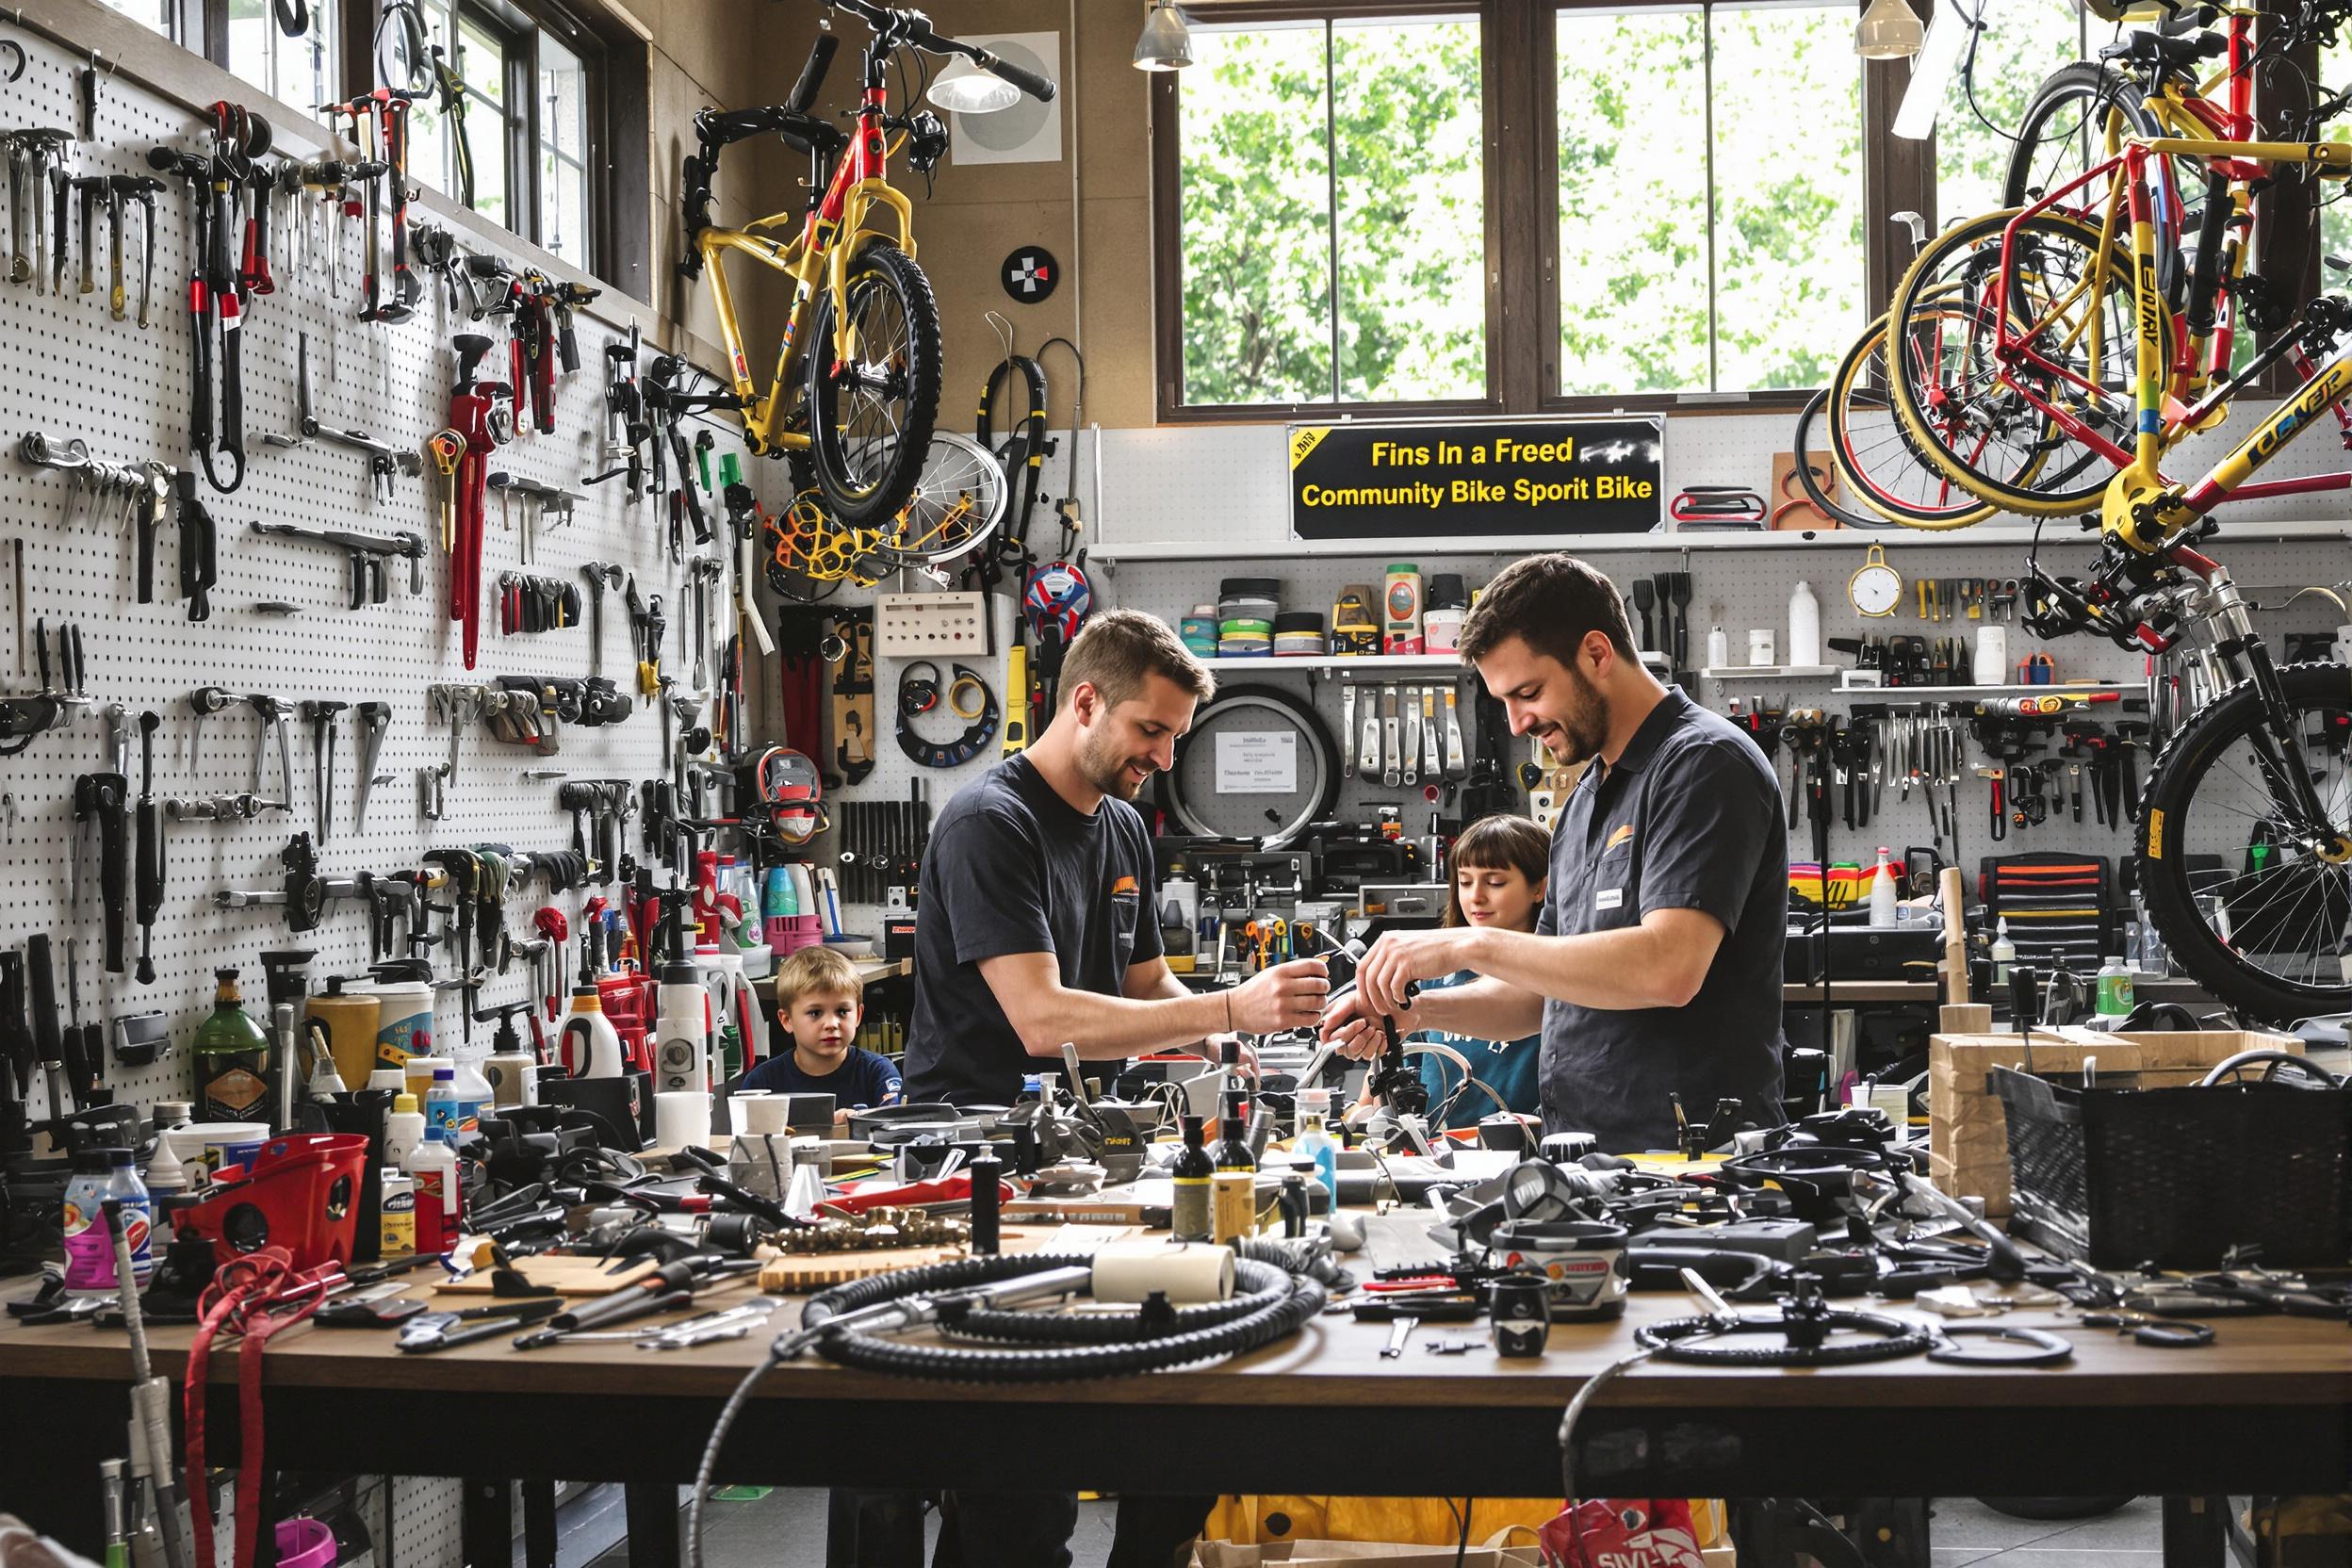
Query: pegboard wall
[{"x": 74, "y": 374}]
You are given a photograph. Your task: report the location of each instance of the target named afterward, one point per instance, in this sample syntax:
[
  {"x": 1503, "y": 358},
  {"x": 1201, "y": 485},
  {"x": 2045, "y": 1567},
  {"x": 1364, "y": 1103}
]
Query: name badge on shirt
[{"x": 1609, "y": 898}]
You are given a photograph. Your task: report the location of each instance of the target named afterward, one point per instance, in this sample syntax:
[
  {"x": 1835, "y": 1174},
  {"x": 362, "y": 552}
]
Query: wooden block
[{"x": 1803, "y": 514}]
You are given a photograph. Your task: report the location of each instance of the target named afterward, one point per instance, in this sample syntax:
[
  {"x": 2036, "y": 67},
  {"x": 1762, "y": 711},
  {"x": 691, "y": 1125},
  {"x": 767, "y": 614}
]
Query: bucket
[{"x": 304, "y": 1544}]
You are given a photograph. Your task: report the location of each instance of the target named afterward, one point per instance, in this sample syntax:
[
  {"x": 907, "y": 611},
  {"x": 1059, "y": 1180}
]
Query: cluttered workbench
[{"x": 2266, "y": 1406}]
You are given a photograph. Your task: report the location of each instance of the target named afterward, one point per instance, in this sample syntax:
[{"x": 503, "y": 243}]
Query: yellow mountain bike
[{"x": 856, "y": 385}]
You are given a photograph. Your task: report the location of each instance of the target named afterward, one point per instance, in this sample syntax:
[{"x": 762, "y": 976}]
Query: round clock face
[{"x": 1876, "y": 588}]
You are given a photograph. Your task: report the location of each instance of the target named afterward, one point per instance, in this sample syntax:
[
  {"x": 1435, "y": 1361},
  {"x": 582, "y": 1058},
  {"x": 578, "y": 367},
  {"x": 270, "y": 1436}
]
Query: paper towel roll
[
  {"x": 1188, "y": 1272},
  {"x": 681, "y": 1117},
  {"x": 760, "y": 1111}
]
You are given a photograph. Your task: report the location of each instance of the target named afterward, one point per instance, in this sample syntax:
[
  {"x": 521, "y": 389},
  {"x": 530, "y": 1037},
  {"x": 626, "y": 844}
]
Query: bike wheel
[
  {"x": 1988, "y": 417},
  {"x": 2079, "y": 117},
  {"x": 1881, "y": 466},
  {"x": 959, "y": 498},
  {"x": 2266, "y": 929},
  {"x": 1813, "y": 461},
  {"x": 870, "y": 413}
]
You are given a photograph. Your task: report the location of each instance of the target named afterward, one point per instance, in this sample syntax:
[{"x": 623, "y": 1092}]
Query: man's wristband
[{"x": 1229, "y": 1010}]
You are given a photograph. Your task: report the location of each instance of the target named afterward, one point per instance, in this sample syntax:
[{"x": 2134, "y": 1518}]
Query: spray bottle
[
  {"x": 589, "y": 1045},
  {"x": 681, "y": 1024}
]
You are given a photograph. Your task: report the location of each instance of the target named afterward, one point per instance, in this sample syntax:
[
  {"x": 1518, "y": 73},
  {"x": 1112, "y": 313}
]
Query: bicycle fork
[{"x": 2277, "y": 748}]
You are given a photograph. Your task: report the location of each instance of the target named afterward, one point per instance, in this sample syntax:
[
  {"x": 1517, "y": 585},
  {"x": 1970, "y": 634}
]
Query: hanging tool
[
  {"x": 150, "y": 848},
  {"x": 369, "y": 722},
  {"x": 322, "y": 716},
  {"x": 272, "y": 712},
  {"x": 368, "y": 554},
  {"x": 121, "y": 189},
  {"x": 475, "y": 414},
  {"x": 199, "y": 559},
  {"x": 48, "y": 1040}
]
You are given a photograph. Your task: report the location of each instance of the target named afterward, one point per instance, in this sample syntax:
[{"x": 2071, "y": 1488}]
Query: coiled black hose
[
  {"x": 1033, "y": 1328},
  {"x": 1279, "y": 1304}
]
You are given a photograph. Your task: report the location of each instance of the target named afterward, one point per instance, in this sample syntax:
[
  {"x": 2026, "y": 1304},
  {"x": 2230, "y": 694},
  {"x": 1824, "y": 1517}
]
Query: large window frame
[{"x": 1522, "y": 175}]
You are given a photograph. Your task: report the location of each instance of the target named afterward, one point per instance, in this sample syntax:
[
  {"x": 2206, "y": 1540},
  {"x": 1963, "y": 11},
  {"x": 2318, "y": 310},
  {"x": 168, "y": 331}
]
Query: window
[
  {"x": 299, "y": 71},
  {"x": 1710, "y": 197},
  {"x": 563, "y": 151},
  {"x": 161, "y": 15},
  {"x": 1332, "y": 214},
  {"x": 2023, "y": 41}
]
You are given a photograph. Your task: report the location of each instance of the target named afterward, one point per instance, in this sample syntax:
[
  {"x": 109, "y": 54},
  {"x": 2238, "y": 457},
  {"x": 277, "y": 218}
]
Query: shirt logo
[
  {"x": 1124, "y": 887},
  {"x": 1621, "y": 834}
]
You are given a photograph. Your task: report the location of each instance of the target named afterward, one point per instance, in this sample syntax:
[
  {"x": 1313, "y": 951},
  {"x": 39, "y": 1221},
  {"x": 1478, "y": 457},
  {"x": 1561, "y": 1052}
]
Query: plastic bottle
[
  {"x": 396, "y": 1212},
  {"x": 681, "y": 1013},
  {"x": 2004, "y": 954},
  {"x": 1315, "y": 1142},
  {"x": 1402, "y": 607},
  {"x": 589, "y": 1045},
  {"x": 441, "y": 1101},
  {"x": 1718, "y": 649},
  {"x": 403, "y": 1130},
  {"x": 1883, "y": 895},
  {"x": 2115, "y": 987},
  {"x": 440, "y": 1202},
  {"x": 473, "y": 1093},
  {"x": 98, "y": 1175},
  {"x": 232, "y": 1053},
  {"x": 1805, "y": 625},
  {"x": 419, "y": 1073}
]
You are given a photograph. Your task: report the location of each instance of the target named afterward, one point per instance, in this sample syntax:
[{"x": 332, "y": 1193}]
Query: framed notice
[
  {"x": 1426, "y": 481},
  {"x": 1257, "y": 761}
]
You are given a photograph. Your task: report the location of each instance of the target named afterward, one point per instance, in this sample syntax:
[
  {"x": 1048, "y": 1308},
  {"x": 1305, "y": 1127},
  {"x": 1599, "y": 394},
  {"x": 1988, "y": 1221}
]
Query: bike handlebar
[{"x": 916, "y": 29}]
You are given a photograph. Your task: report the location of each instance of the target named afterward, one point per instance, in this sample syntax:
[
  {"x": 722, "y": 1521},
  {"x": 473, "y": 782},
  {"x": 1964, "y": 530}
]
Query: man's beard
[
  {"x": 1104, "y": 767},
  {"x": 1584, "y": 728}
]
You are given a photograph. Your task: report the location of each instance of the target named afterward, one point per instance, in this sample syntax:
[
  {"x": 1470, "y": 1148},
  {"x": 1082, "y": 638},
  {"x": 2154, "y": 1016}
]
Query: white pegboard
[{"x": 74, "y": 373}]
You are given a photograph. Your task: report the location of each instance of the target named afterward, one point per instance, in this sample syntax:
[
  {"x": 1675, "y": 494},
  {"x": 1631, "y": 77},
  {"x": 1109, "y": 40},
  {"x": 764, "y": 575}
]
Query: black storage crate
[{"x": 2178, "y": 1176}]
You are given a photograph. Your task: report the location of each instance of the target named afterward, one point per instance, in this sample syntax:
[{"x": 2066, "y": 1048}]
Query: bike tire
[
  {"x": 1876, "y": 456},
  {"x": 1950, "y": 394},
  {"x": 868, "y": 450},
  {"x": 1802, "y": 448},
  {"x": 959, "y": 498},
  {"x": 2057, "y": 111},
  {"x": 2168, "y": 827}
]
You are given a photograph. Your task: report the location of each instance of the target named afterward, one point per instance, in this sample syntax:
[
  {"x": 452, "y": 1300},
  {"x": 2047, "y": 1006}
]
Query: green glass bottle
[{"x": 231, "y": 1059}]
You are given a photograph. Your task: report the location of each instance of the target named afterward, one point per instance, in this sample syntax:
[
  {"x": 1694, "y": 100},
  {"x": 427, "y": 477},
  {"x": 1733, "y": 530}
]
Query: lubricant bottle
[
  {"x": 589, "y": 1046},
  {"x": 681, "y": 1028},
  {"x": 1189, "y": 1215}
]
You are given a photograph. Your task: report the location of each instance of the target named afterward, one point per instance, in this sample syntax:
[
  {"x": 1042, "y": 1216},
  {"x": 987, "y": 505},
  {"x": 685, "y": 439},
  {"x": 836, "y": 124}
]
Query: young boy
[{"x": 818, "y": 1001}]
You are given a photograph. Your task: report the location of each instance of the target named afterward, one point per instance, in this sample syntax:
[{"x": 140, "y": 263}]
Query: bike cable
[{"x": 1023, "y": 448}]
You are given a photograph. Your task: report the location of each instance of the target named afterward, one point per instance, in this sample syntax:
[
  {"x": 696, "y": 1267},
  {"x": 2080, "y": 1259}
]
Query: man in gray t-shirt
[{"x": 1655, "y": 969}]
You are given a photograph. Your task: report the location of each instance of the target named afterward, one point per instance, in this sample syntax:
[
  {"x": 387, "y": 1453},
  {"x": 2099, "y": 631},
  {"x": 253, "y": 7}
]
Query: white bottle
[
  {"x": 473, "y": 1093},
  {"x": 2004, "y": 954},
  {"x": 441, "y": 1103},
  {"x": 1718, "y": 649},
  {"x": 1805, "y": 625},
  {"x": 682, "y": 1030},
  {"x": 403, "y": 1130},
  {"x": 440, "y": 1202},
  {"x": 1883, "y": 898}
]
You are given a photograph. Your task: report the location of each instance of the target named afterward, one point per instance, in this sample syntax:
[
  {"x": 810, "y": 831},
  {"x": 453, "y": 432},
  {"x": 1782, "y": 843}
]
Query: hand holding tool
[{"x": 150, "y": 848}]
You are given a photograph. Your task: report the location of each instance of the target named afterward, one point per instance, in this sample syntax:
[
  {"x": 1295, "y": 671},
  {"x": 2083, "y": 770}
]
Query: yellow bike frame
[{"x": 816, "y": 257}]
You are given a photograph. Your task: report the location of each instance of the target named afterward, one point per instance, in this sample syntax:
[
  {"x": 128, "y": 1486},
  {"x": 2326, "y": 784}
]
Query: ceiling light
[
  {"x": 1889, "y": 31},
  {"x": 964, "y": 88},
  {"x": 1166, "y": 44}
]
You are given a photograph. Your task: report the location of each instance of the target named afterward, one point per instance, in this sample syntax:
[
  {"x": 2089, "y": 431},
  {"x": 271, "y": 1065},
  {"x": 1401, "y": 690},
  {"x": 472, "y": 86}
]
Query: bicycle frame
[{"x": 817, "y": 257}]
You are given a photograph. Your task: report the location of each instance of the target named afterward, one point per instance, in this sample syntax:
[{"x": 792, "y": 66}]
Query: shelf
[
  {"x": 1773, "y": 672},
  {"x": 2055, "y": 688},
  {"x": 1373, "y": 664},
  {"x": 1896, "y": 540}
]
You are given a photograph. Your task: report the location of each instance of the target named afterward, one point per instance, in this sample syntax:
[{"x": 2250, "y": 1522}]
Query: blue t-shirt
[
  {"x": 1507, "y": 1066},
  {"x": 863, "y": 1080}
]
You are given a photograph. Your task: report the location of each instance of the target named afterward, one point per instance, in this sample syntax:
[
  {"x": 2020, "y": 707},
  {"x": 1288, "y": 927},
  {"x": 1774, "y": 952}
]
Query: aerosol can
[
  {"x": 589, "y": 1045},
  {"x": 681, "y": 1024}
]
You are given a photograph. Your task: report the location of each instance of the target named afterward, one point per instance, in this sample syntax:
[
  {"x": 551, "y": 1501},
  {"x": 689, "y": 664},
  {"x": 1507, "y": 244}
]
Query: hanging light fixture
[
  {"x": 1166, "y": 44},
  {"x": 1889, "y": 31},
  {"x": 964, "y": 88}
]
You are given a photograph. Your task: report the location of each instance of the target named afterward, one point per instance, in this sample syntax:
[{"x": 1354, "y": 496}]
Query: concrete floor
[{"x": 784, "y": 1528}]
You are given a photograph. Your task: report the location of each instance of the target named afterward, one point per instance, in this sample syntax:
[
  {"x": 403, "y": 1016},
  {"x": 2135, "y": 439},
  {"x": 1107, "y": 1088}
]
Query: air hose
[{"x": 1269, "y": 1304}]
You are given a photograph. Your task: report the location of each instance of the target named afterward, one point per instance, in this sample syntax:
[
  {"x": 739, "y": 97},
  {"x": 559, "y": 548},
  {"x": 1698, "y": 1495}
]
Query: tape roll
[
  {"x": 760, "y": 1111},
  {"x": 1186, "y": 1272},
  {"x": 681, "y": 1117}
]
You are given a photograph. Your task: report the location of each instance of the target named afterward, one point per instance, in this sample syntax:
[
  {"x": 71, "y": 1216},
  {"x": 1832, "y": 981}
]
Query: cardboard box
[{"x": 1968, "y": 1129}]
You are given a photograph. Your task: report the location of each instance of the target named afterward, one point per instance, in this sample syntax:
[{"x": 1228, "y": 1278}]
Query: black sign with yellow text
[{"x": 1534, "y": 476}]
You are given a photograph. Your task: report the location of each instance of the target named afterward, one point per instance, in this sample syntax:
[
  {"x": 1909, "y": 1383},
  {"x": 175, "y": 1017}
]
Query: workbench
[{"x": 2266, "y": 1407}]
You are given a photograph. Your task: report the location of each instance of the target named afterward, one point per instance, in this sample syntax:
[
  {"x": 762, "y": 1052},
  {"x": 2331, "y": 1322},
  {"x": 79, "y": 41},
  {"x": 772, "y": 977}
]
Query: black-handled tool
[
  {"x": 109, "y": 802},
  {"x": 150, "y": 847},
  {"x": 48, "y": 1043},
  {"x": 16, "y": 1040},
  {"x": 85, "y": 1045}
]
